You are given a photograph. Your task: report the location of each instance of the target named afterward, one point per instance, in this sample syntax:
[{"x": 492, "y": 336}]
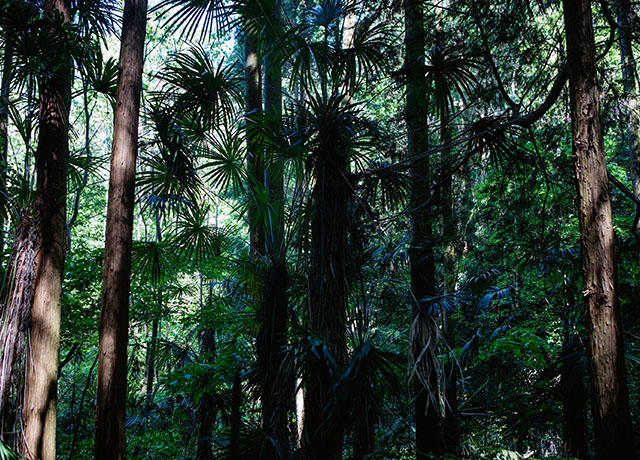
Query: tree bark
[
  {"x": 272, "y": 342},
  {"x": 450, "y": 428},
  {"x": 4, "y": 129},
  {"x": 255, "y": 158},
  {"x": 422, "y": 263},
  {"x": 41, "y": 375},
  {"x": 14, "y": 317},
  {"x": 206, "y": 414},
  {"x": 630, "y": 96},
  {"x": 609, "y": 392},
  {"x": 114, "y": 317},
  {"x": 323, "y": 438},
  {"x": 235, "y": 424}
]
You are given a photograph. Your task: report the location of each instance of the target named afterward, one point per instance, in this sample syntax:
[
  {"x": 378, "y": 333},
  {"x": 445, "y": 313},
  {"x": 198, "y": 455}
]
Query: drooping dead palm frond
[{"x": 425, "y": 340}]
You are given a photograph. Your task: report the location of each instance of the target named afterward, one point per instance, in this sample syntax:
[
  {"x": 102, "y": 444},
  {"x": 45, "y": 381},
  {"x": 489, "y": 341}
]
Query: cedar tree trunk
[
  {"x": 41, "y": 374},
  {"x": 609, "y": 392},
  {"x": 116, "y": 279}
]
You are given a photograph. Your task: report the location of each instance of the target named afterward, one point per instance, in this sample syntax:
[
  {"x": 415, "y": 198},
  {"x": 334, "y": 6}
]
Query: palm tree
[
  {"x": 424, "y": 328},
  {"x": 114, "y": 316}
]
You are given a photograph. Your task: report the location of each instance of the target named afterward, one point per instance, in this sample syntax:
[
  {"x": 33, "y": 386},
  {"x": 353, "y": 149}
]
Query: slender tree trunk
[
  {"x": 450, "y": 428},
  {"x": 364, "y": 433},
  {"x": 630, "y": 94},
  {"x": 206, "y": 414},
  {"x": 41, "y": 375},
  {"x": 150, "y": 360},
  {"x": 427, "y": 414},
  {"x": 4, "y": 129},
  {"x": 78, "y": 418},
  {"x": 255, "y": 158},
  {"x": 574, "y": 398},
  {"x": 609, "y": 392},
  {"x": 235, "y": 425},
  {"x": 114, "y": 317},
  {"x": 14, "y": 318}
]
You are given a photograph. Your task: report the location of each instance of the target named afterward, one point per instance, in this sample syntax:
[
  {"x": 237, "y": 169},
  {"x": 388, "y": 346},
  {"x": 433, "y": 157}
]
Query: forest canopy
[{"x": 319, "y": 230}]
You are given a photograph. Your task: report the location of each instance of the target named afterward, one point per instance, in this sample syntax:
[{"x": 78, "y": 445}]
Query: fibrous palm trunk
[
  {"x": 427, "y": 413},
  {"x": 14, "y": 317},
  {"x": 323, "y": 438},
  {"x": 609, "y": 392},
  {"x": 114, "y": 317},
  {"x": 41, "y": 374},
  {"x": 277, "y": 385}
]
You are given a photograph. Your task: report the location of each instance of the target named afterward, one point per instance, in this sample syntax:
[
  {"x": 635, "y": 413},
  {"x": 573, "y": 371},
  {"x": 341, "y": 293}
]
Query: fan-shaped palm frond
[
  {"x": 203, "y": 91},
  {"x": 367, "y": 55},
  {"x": 169, "y": 177},
  {"x": 194, "y": 17},
  {"x": 101, "y": 76},
  {"x": 96, "y": 18},
  {"x": 153, "y": 260},
  {"x": 327, "y": 13},
  {"x": 449, "y": 71},
  {"x": 198, "y": 240},
  {"x": 79, "y": 163},
  {"x": 224, "y": 163},
  {"x": 494, "y": 293},
  {"x": 450, "y": 301},
  {"x": 370, "y": 369},
  {"x": 385, "y": 183},
  {"x": 497, "y": 136}
]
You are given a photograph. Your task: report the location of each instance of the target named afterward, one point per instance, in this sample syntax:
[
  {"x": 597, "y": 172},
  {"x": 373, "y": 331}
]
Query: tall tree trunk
[
  {"x": 206, "y": 414},
  {"x": 114, "y": 316},
  {"x": 609, "y": 392},
  {"x": 427, "y": 413},
  {"x": 41, "y": 375},
  {"x": 272, "y": 341},
  {"x": 323, "y": 438},
  {"x": 4, "y": 129},
  {"x": 235, "y": 424},
  {"x": 450, "y": 428},
  {"x": 574, "y": 398},
  {"x": 14, "y": 317},
  {"x": 630, "y": 95},
  {"x": 364, "y": 432},
  {"x": 276, "y": 383},
  {"x": 255, "y": 158}
]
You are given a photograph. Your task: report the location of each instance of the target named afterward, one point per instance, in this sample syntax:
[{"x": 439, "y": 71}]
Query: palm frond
[
  {"x": 198, "y": 240},
  {"x": 448, "y": 302},
  {"x": 96, "y": 18},
  {"x": 494, "y": 293},
  {"x": 193, "y": 17},
  {"x": 224, "y": 164},
  {"x": 203, "y": 91}
]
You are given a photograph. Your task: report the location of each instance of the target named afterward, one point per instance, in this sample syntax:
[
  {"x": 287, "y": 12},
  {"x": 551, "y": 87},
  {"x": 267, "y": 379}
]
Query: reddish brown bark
[
  {"x": 609, "y": 393},
  {"x": 41, "y": 375},
  {"x": 114, "y": 317},
  {"x": 14, "y": 317}
]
